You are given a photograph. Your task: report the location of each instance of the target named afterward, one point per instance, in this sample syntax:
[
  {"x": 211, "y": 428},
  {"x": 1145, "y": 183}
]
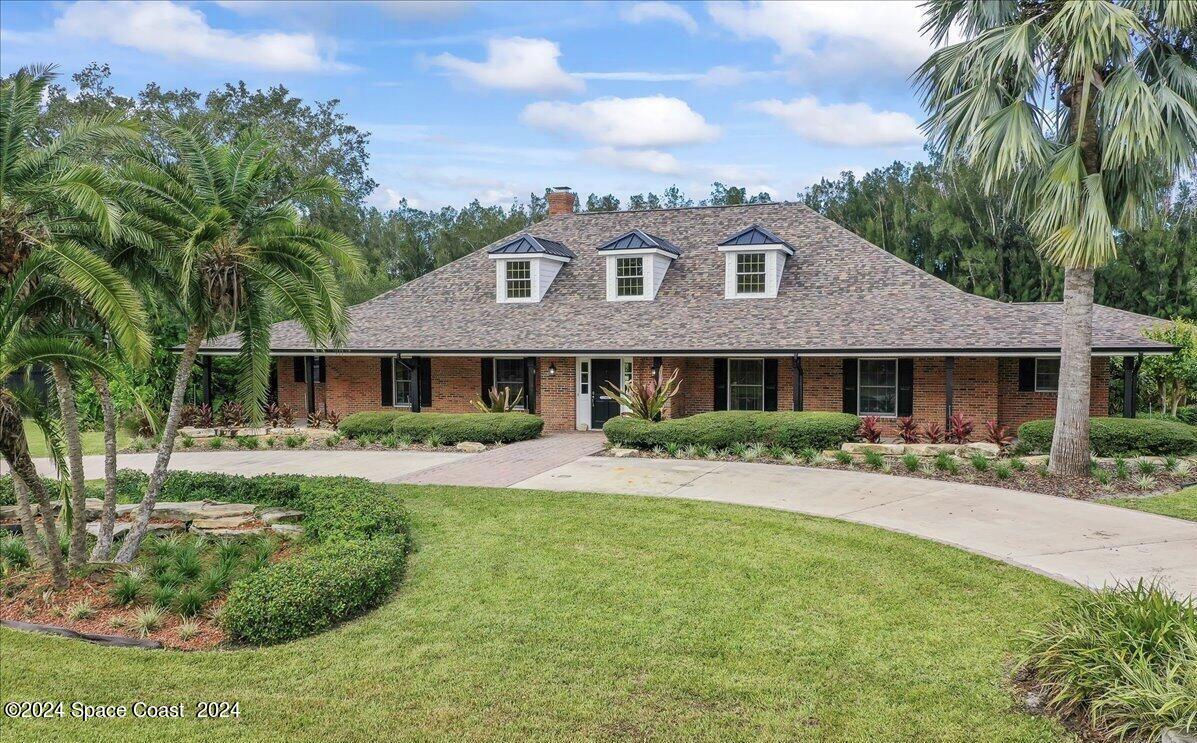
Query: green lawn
[
  {"x": 93, "y": 441},
  {"x": 549, "y": 616},
  {"x": 1182, "y": 504}
]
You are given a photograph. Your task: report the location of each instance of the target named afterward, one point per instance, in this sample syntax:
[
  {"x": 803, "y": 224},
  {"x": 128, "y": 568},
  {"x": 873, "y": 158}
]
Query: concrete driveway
[{"x": 1074, "y": 541}]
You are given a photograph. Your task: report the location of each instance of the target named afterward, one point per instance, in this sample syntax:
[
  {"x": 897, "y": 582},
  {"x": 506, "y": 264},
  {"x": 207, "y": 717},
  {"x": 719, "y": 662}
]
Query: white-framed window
[
  {"x": 519, "y": 279},
  {"x": 403, "y": 384},
  {"x": 509, "y": 374},
  {"x": 584, "y": 377},
  {"x": 629, "y": 276},
  {"x": 627, "y": 372},
  {"x": 877, "y": 387},
  {"x": 745, "y": 384},
  {"x": 750, "y": 273},
  {"x": 1047, "y": 375}
]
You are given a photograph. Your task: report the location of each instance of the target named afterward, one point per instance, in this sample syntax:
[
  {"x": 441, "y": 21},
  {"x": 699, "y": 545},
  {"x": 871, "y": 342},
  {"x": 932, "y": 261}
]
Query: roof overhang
[
  {"x": 756, "y": 248},
  {"x": 1101, "y": 352},
  {"x": 527, "y": 256}
]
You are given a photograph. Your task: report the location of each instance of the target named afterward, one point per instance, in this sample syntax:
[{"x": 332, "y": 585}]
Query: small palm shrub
[
  {"x": 873, "y": 460},
  {"x": 843, "y": 457},
  {"x": 933, "y": 432},
  {"x": 646, "y": 400},
  {"x": 1121, "y": 469},
  {"x": 14, "y": 551},
  {"x": 498, "y": 401},
  {"x": 126, "y": 588},
  {"x": 911, "y": 462},
  {"x": 870, "y": 429},
  {"x": 1146, "y": 467},
  {"x": 908, "y": 430},
  {"x": 1124, "y": 657},
  {"x": 980, "y": 462},
  {"x": 960, "y": 428}
]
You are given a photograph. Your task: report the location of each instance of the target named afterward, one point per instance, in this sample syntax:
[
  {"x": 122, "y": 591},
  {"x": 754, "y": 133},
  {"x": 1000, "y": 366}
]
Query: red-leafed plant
[
  {"x": 188, "y": 415},
  {"x": 272, "y": 413},
  {"x": 870, "y": 429},
  {"x": 997, "y": 434},
  {"x": 315, "y": 419},
  {"x": 908, "y": 430},
  {"x": 960, "y": 428},
  {"x": 286, "y": 416},
  {"x": 203, "y": 416},
  {"x": 933, "y": 432},
  {"x": 232, "y": 414},
  {"x": 333, "y": 418}
]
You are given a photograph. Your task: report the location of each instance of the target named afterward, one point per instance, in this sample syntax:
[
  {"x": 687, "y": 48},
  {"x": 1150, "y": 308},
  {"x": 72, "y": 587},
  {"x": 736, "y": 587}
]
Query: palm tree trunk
[
  {"x": 103, "y": 549},
  {"x": 1070, "y": 440},
  {"x": 15, "y": 449},
  {"x": 70, "y": 424},
  {"x": 28, "y": 525},
  {"x": 195, "y": 336}
]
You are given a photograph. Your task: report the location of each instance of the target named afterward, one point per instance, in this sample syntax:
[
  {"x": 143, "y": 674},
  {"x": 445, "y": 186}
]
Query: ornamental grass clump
[
  {"x": 980, "y": 462},
  {"x": 873, "y": 460},
  {"x": 843, "y": 457},
  {"x": 1124, "y": 657},
  {"x": 912, "y": 462}
]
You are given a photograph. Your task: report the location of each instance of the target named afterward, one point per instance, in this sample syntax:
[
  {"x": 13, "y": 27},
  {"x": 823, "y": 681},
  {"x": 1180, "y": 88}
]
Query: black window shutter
[
  {"x": 905, "y": 387},
  {"x": 488, "y": 378},
  {"x": 530, "y": 384},
  {"x": 425, "y": 382},
  {"x": 298, "y": 364},
  {"x": 720, "y": 384},
  {"x": 387, "y": 373},
  {"x": 849, "y": 385},
  {"x": 1026, "y": 375},
  {"x": 770, "y": 384}
]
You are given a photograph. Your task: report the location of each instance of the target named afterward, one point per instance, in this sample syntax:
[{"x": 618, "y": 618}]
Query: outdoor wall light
[{"x": 552, "y": 369}]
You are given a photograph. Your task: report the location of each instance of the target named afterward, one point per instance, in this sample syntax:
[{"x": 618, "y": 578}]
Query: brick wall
[
  {"x": 555, "y": 398},
  {"x": 1015, "y": 408}
]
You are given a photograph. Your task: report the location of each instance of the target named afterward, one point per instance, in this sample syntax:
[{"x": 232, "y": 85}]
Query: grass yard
[
  {"x": 93, "y": 441},
  {"x": 1181, "y": 505},
  {"x": 548, "y": 616}
]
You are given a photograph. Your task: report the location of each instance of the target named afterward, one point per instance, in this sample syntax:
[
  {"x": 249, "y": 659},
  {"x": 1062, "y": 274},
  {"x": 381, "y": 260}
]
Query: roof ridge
[{"x": 682, "y": 208}]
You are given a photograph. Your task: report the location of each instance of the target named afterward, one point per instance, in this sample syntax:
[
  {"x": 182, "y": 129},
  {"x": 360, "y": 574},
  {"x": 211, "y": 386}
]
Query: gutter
[{"x": 752, "y": 352}]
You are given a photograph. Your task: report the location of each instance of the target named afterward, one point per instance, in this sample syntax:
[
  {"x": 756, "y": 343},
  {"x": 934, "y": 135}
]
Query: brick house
[{"x": 760, "y": 307}]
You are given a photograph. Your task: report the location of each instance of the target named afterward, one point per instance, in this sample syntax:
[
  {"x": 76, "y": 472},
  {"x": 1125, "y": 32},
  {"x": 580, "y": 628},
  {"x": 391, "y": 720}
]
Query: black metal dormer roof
[
  {"x": 530, "y": 245},
  {"x": 637, "y": 240},
  {"x": 755, "y": 235}
]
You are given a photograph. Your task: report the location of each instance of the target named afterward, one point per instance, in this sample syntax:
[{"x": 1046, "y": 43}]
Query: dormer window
[
  {"x": 755, "y": 258},
  {"x": 636, "y": 265},
  {"x": 526, "y": 266}
]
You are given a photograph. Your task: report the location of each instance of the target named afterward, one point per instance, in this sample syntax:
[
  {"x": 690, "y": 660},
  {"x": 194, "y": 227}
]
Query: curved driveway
[{"x": 1075, "y": 541}]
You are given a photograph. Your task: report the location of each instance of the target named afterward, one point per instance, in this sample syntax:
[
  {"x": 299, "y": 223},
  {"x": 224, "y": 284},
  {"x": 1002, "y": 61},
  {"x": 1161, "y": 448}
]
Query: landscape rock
[
  {"x": 230, "y": 532},
  {"x": 189, "y": 510},
  {"x": 986, "y": 448},
  {"x": 622, "y": 453},
  {"x": 280, "y": 515},
  {"x": 14, "y": 512},
  {"x": 1177, "y": 736},
  {"x": 1035, "y": 460},
  {"x": 470, "y": 447},
  {"x": 858, "y": 447},
  {"x": 931, "y": 450},
  {"x": 224, "y": 522},
  {"x": 290, "y": 530},
  {"x": 121, "y": 527}
]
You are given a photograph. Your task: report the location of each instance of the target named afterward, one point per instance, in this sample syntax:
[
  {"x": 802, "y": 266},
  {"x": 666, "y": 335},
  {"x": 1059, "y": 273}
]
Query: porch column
[
  {"x": 530, "y": 384},
  {"x": 207, "y": 367},
  {"x": 413, "y": 364},
  {"x": 1130, "y": 386},
  {"x": 309, "y": 374},
  {"x": 949, "y": 371},
  {"x": 797, "y": 362}
]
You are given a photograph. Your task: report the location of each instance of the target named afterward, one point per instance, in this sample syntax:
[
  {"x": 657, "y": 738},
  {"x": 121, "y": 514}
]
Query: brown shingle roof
[{"x": 839, "y": 293}]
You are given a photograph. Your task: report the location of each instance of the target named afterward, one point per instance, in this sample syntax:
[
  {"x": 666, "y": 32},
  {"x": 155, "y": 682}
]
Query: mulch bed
[
  {"x": 316, "y": 444},
  {"x": 1080, "y": 488}
]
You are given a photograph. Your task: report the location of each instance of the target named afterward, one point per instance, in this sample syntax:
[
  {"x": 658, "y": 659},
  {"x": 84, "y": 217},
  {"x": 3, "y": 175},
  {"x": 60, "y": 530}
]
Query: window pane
[
  {"x": 750, "y": 273},
  {"x": 746, "y": 384},
  {"x": 629, "y": 277},
  {"x": 1047, "y": 374},
  {"x": 509, "y": 374},
  {"x": 584, "y": 375},
  {"x": 519, "y": 279},
  {"x": 402, "y": 384},
  {"x": 878, "y": 387}
]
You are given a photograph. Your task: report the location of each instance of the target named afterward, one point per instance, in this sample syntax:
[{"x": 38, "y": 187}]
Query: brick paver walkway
[{"x": 509, "y": 464}]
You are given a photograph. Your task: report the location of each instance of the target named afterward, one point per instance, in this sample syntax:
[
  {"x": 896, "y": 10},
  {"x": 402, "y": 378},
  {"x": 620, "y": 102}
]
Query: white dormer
[
  {"x": 636, "y": 266},
  {"x": 526, "y": 266},
  {"x": 753, "y": 262}
]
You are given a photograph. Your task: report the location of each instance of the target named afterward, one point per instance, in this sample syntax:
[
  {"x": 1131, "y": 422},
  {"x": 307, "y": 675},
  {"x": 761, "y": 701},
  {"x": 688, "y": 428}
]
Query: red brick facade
[{"x": 984, "y": 388}]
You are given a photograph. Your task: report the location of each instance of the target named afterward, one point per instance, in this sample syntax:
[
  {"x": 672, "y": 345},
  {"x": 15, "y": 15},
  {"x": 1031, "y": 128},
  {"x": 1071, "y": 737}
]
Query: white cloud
[
  {"x": 404, "y": 10},
  {"x": 652, "y": 161},
  {"x": 843, "y": 124},
  {"x": 515, "y": 63},
  {"x": 875, "y": 36},
  {"x": 652, "y": 121},
  {"x": 659, "y": 11},
  {"x": 641, "y": 76},
  {"x": 422, "y": 10},
  {"x": 182, "y": 32}
]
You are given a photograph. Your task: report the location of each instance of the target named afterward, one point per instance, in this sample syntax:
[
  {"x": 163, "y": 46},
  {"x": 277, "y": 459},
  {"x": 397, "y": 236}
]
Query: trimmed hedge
[
  {"x": 359, "y": 538},
  {"x": 8, "y": 496},
  {"x": 718, "y": 430},
  {"x": 485, "y": 428},
  {"x": 1120, "y": 437}
]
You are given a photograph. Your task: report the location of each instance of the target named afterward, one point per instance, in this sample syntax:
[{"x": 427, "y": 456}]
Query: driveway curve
[{"x": 1085, "y": 543}]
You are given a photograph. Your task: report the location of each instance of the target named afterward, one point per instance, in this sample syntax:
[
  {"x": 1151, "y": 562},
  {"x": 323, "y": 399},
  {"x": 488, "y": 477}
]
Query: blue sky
[{"x": 494, "y": 100}]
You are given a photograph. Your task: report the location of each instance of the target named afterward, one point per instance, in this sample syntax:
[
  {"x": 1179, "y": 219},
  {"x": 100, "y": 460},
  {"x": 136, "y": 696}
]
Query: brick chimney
[{"x": 561, "y": 200}]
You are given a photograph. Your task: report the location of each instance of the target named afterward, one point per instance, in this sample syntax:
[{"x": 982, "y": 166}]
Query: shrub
[
  {"x": 870, "y": 429},
  {"x": 8, "y": 496},
  {"x": 1126, "y": 656},
  {"x": 14, "y": 551},
  {"x": 81, "y": 610},
  {"x": 1002, "y": 470},
  {"x": 1018, "y": 465},
  {"x": 843, "y": 457},
  {"x": 295, "y": 440},
  {"x": 960, "y": 428},
  {"x": 908, "y": 430},
  {"x": 190, "y": 602},
  {"x": 933, "y": 432},
  {"x": 147, "y": 621},
  {"x": 874, "y": 460},
  {"x": 248, "y": 442},
  {"x": 911, "y": 462},
  {"x": 1120, "y": 437},
  {"x": 485, "y": 428},
  {"x": 980, "y": 462},
  {"x": 377, "y": 424},
  {"x": 126, "y": 588},
  {"x": 723, "y": 429},
  {"x": 1187, "y": 414},
  {"x": 646, "y": 400},
  {"x": 188, "y": 631},
  {"x": 215, "y": 442}
]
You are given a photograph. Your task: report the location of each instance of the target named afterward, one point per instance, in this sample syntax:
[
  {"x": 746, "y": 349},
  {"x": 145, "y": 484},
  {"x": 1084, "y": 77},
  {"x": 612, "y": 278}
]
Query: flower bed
[{"x": 351, "y": 556}]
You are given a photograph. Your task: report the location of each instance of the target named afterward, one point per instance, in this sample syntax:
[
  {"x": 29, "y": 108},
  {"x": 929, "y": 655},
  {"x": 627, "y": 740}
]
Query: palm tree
[
  {"x": 240, "y": 256},
  {"x": 1084, "y": 108},
  {"x": 50, "y": 202}
]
